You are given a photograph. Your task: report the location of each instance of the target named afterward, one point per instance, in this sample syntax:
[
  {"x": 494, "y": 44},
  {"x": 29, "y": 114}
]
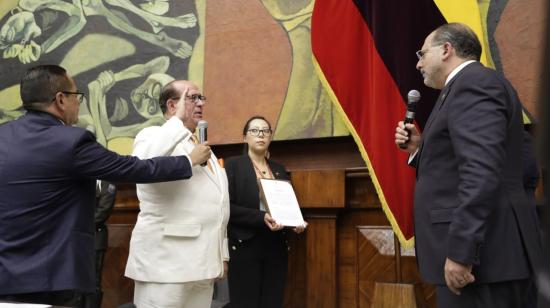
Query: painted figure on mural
[
  {"x": 18, "y": 34},
  {"x": 307, "y": 110},
  {"x": 143, "y": 99},
  {"x": 99, "y": 39},
  {"x": 123, "y": 51}
]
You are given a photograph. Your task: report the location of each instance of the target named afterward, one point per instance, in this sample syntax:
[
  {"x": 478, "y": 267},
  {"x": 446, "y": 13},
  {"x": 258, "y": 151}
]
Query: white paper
[{"x": 282, "y": 203}]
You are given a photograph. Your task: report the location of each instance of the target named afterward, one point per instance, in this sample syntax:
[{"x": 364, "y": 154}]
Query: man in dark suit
[
  {"x": 104, "y": 203},
  {"x": 48, "y": 171},
  {"x": 476, "y": 238}
]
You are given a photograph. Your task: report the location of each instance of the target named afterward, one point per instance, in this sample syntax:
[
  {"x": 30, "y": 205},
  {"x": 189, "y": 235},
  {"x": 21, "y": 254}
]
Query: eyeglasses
[
  {"x": 79, "y": 95},
  {"x": 420, "y": 53},
  {"x": 195, "y": 98},
  {"x": 256, "y": 132}
]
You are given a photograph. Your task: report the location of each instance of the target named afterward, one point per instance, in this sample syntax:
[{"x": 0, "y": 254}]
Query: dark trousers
[
  {"x": 508, "y": 294},
  {"x": 65, "y": 298},
  {"x": 93, "y": 300},
  {"x": 257, "y": 271}
]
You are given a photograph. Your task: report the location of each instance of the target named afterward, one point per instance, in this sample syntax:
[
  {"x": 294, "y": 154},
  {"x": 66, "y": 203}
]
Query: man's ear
[
  {"x": 447, "y": 50},
  {"x": 60, "y": 101},
  {"x": 169, "y": 106},
  {"x": 174, "y": 105}
]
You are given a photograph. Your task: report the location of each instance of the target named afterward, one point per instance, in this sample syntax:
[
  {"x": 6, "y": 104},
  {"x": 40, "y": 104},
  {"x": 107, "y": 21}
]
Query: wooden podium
[
  {"x": 397, "y": 295},
  {"x": 321, "y": 194},
  {"x": 349, "y": 256}
]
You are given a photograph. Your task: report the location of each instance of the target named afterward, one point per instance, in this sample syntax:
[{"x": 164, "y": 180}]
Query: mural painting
[
  {"x": 250, "y": 57},
  {"x": 120, "y": 52}
]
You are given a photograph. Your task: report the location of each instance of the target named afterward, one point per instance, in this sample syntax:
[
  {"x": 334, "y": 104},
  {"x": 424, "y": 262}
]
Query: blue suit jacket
[{"x": 47, "y": 194}]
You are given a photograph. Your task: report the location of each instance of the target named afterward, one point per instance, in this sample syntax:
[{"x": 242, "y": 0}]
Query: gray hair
[{"x": 461, "y": 37}]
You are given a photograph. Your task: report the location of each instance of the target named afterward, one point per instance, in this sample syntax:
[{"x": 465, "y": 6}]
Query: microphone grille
[
  {"x": 412, "y": 97},
  {"x": 202, "y": 124}
]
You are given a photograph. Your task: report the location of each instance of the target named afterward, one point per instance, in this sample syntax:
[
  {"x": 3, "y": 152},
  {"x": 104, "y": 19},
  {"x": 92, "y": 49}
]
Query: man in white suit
[{"x": 179, "y": 244}]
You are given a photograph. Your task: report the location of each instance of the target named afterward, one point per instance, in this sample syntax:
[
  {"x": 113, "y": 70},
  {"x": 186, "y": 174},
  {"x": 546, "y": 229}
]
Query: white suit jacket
[{"x": 181, "y": 230}]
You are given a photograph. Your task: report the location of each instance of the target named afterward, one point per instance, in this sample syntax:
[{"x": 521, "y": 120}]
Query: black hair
[
  {"x": 461, "y": 37},
  {"x": 40, "y": 84}
]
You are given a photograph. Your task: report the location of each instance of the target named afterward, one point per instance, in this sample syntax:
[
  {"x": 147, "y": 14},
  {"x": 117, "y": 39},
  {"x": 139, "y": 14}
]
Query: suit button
[
  {"x": 233, "y": 247},
  {"x": 240, "y": 241}
]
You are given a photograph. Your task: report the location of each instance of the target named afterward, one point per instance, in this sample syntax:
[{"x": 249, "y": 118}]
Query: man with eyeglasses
[
  {"x": 179, "y": 244},
  {"x": 48, "y": 172},
  {"x": 476, "y": 238}
]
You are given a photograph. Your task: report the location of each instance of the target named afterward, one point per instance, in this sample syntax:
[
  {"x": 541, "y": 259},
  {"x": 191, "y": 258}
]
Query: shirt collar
[{"x": 457, "y": 69}]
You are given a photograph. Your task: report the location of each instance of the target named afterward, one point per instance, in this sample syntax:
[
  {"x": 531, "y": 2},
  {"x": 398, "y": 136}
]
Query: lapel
[
  {"x": 251, "y": 191},
  {"x": 440, "y": 100},
  {"x": 444, "y": 94},
  {"x": 276, "y": 173},
  {"x": 435, "y": 111},
  {"x": 215, "y": 174},
  {"x": 250, "y": 172},
  {"x": 433, "y": 115}
]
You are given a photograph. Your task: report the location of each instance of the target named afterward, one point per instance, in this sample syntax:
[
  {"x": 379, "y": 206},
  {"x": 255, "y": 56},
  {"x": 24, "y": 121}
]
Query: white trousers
[{"x": 194, "y": 294}]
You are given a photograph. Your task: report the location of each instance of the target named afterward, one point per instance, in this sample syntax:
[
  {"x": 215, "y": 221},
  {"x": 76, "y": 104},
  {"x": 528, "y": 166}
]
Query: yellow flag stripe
[
  {"x": 467, "y": 12},
  {"x": 473, "y": 14}
]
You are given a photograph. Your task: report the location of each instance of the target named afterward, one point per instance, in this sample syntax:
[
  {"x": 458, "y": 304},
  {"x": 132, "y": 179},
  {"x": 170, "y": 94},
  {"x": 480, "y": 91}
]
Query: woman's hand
[
  {"x": 225, "y": 269},
  {"x": 300, "y": 229},
  {"x": 271, "y": 223}
]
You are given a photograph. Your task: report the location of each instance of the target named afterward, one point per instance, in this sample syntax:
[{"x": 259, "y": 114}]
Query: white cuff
[
  {"x": 412, "y": 156},
  {"x": 225, "y": 250}
]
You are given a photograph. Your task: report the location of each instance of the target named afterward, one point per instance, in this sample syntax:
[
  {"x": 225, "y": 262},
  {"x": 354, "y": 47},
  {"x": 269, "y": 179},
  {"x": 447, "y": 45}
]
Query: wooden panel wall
[
  {"x": 334, "y": 263},
  {"x": 117, "y": 288}
]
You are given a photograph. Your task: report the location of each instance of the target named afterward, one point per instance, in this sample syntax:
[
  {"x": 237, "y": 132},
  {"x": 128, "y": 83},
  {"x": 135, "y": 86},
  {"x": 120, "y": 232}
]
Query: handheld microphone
[
  {"x": 412, "y": 98},
  {"x": 202, "y": 127}
]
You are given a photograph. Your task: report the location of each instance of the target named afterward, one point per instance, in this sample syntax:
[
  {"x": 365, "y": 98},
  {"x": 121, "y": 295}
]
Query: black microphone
[
  {"x": 412, "y": 98},
  {"x": 202, "y": 127}
]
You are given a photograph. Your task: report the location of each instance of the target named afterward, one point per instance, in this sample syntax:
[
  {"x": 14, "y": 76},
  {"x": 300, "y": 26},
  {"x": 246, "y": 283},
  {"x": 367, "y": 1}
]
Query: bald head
[
  {"x": 182, "y": 98},
  {"x": 170, "y": 91},
  {"x": 461, "y": 37}
]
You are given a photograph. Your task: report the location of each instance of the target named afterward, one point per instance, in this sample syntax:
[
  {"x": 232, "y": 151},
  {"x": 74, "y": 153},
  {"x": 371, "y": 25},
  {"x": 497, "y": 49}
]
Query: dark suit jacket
[
  {"x": 104, "y": 203},
  {"x": 48, "y": 173},
  {"x": 470, "y": 204},
  {"x": 245, "y": 218},
  {"x": 530, "y": 166}
]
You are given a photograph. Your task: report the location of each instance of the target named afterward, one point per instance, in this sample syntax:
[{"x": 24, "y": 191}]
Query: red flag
[{"x": 364, "y": 54}]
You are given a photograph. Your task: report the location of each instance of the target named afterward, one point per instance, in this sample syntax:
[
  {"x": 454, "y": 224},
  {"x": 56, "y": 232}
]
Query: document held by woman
[{"x": 281, "y": 202}]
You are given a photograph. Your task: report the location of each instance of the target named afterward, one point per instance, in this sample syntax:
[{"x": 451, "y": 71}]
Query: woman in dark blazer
[{"x": 257, "y": 243}]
